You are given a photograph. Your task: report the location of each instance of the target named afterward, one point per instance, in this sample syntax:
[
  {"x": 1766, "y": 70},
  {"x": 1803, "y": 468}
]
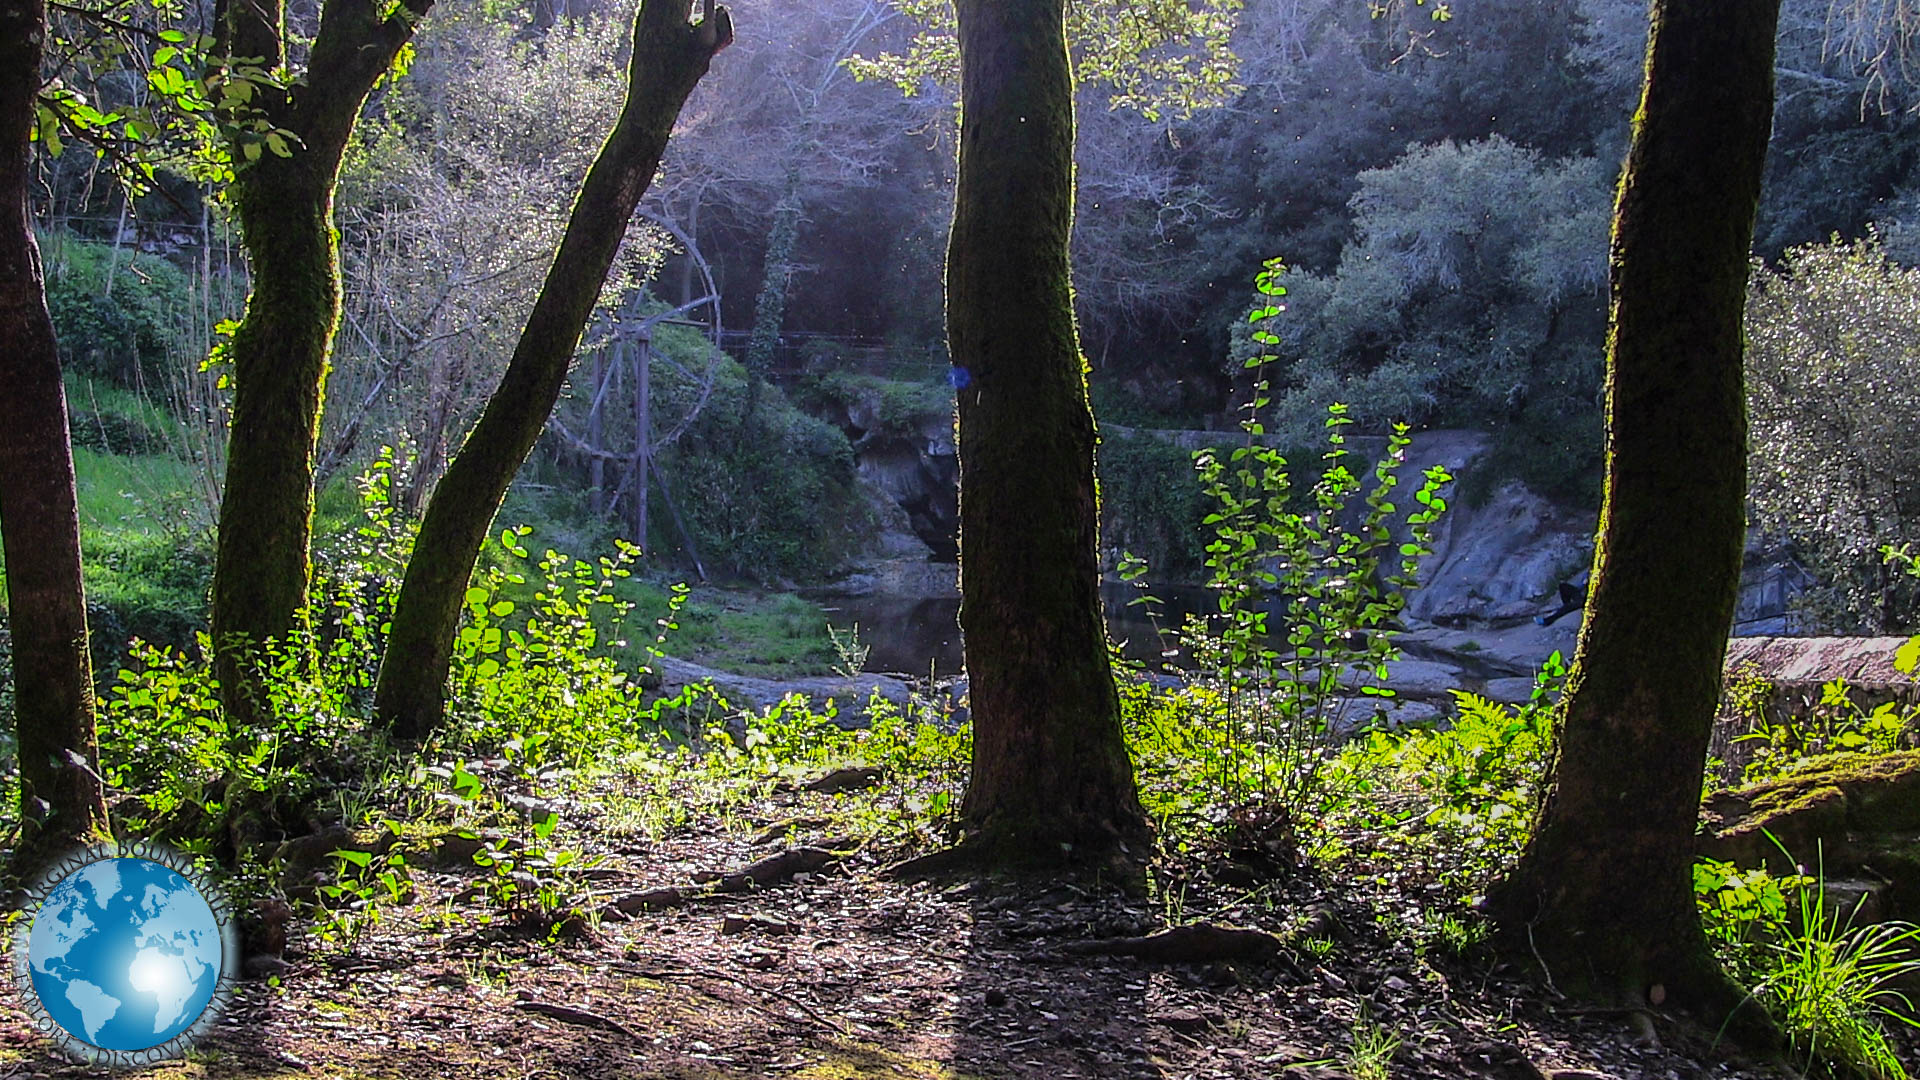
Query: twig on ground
[
  {"x": 567, "y": 1014},
  {"x": 1195, "y": 943}
]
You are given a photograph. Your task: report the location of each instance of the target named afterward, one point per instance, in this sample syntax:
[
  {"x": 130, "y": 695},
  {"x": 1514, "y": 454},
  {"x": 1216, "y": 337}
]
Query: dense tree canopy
[{"x": 1470, "y": 296}]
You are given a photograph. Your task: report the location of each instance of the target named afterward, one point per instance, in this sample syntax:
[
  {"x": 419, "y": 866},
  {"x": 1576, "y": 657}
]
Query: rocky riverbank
[{"x": 1496, "y": 663}]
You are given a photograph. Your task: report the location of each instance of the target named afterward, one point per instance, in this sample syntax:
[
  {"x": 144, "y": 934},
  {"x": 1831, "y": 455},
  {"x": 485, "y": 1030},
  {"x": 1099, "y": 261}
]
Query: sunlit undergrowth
[
  {"x": 554, "y": 753},
  {"x": 1447, "y": 805},
  {"x": 544, "y": 709},
  {"x": 1832, "y": 981}
]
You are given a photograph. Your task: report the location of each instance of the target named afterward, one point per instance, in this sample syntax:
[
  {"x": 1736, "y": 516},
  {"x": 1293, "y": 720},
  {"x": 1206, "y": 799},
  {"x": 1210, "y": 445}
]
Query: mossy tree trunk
[
  {"x": 776, "y": 277},
  {"x": 670, "y": 54},
  {"x": 1050, "y": 775},
  {"x": 284, "y": 203},
  {"x": 1603, "y": 894},
  {"x": 60, "y": 794}
]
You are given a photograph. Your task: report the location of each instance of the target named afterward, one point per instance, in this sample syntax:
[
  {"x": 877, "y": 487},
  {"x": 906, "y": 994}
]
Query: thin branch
[{"x": 103, "y": 19}]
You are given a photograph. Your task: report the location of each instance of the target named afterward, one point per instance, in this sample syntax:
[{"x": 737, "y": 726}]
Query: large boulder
[
  {"x": 850, "y": 695},
  {"x": 1501, "y": 563},
  {"x": 1495, "y": 652},
  {"x": 1844, "y": 816},
  {"x": 1409, "y": 679},
  {"x": 903, "y": 448}
]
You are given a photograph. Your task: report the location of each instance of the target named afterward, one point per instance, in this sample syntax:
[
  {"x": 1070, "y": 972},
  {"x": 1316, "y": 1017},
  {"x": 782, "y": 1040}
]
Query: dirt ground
[{"x": 841, "y": 973}]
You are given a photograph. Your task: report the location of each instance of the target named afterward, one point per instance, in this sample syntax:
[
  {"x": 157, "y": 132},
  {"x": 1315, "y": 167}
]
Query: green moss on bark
[
  {"x": 61, "y": 799},
  {"x": 1602, "y": 895},
  {"x": 1050, "y": 774},
  {"x": 669, "y": 57},
  {"x": 280, "y": 349}
]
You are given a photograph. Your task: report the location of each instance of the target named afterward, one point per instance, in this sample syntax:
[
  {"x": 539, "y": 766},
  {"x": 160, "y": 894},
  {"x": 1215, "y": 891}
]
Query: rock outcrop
[
  {"x": 850, "y": 695},
  {"x": 1849, "y": 816},
  {"x": 1501, "y": 564},
  {"x": 1800, "y": 666},
  {"x": 905, "y": 457}
]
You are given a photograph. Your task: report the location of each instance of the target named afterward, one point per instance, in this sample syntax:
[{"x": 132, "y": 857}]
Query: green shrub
[
  {"x": 1833, "y": 392},
  {"x": 899, "y": 408},
  {"x": 1276, "y": 699},
  {"x": 1830, "y": 984},
  {"x": 767, "y": 495},
  {"x": 133, "y": 336},
  {"x": 1459, "y": 800},
  {"x": 1113, "y": 404},
  {"x": 154, "y": 584},
  {"x": 923, "y": 757},
  {"x": 1151, "y": 505},
  {"x": 1773, "y": 745},
  {"x": 1472, "y": 294},
  {"x": 541, "y": 674},
  {"x": 1907, "y": 659}
]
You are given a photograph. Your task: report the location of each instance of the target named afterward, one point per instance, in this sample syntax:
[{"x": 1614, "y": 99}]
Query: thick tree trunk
[
  {"x": 61, "y": 800},
  {"x": 1051, "y": 776},
  {"x": 669, "y": 57},
  {"x": 280, "y": 350},
  {"x": 1603, "y": 893}
]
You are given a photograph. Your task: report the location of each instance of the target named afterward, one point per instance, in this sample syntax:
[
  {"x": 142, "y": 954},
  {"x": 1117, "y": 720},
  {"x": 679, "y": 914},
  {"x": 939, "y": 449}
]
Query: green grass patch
[
  {"x": 766, "y": 635},
  {"x": 146, "y": 493},
  {"x": 147, "y": 556}
]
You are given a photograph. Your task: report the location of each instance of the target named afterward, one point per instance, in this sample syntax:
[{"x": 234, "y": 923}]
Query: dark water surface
[
  {"x": 907, "y": 635},
  {"x": 910, "y": 635}
]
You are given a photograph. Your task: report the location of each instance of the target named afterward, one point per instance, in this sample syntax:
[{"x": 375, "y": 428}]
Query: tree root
[
  {"x": 652, "y": 900},
  {"x": 848, "y": 779},
  {"x": 567, "y": 1014},
  {"x": 947, "y": 862},
  {"x": 707, "y": 973},
  {"x": 765, "y": 873},
  {"x": 1197, "y": 943},
  {"x": 777, "y": 868},
  {"x": 1116, "y": 866}
]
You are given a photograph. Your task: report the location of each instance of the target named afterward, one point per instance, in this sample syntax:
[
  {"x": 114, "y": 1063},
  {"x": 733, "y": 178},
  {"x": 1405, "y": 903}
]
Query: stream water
[
  {"x": 912, "y": 634},
  {"x": 916, "y": 635}
]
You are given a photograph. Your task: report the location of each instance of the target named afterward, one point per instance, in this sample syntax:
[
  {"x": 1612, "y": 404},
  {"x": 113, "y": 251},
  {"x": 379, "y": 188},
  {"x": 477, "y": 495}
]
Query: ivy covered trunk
[
  {"x": 669, "y": 57},
  {"x": 60, "y": 796},
  {"x": 770, "y": 309},
  {"x": 287, "y": 149},
  {"x": 1602, "y": 896},
  {"x": 1050, "y": 776}
]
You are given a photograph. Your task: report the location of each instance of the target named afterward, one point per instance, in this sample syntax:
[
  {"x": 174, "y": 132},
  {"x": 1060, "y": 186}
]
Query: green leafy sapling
[{"x": 1308, "y": 585}]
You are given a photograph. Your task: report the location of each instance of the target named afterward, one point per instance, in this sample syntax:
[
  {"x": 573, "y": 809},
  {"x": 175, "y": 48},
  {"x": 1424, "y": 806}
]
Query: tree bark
[
  {"x": 280, "y": 350},
  {"x": 60, "y": 792},
  {"x": 1050, "y": 774},
  {"x": 770, "y": 308},
  {"x": 669, "y": 57},
  {"x": 1602, "y": 895}
]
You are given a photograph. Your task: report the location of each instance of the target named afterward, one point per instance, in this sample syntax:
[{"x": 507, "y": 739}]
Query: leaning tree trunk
[
  {"x": 669, "y": 57},
  {"x": 1603, "y": 894},
  {"x": 60, "y": 796},
  {"x": 280, "y": 349},
  {"x": 1050, "y": 776}
]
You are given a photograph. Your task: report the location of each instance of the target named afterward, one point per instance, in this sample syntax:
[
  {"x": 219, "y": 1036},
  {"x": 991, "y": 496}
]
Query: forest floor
[{"x": 839, "y": 972}]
